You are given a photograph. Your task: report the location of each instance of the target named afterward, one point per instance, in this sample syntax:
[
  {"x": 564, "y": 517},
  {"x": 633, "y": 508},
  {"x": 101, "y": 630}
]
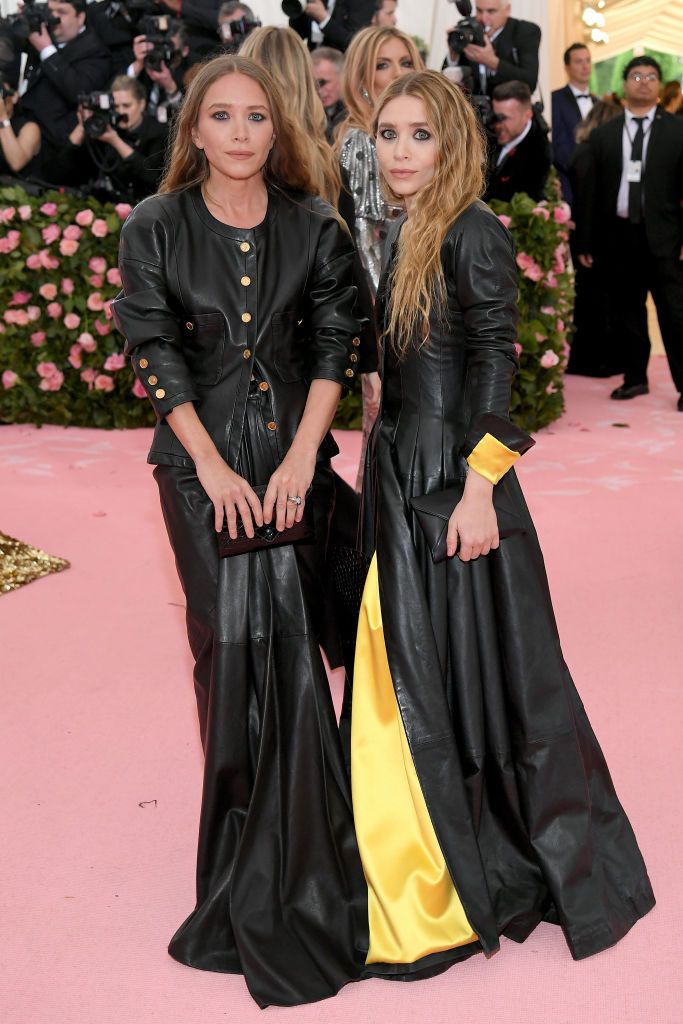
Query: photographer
[
  {"x": 328, "y": 64},
  {"x": 66, "y": 60},
  {"x": 116, "y": 25},
  {"x": 19, "y": 137},
  {"x": 521, "y": 159},
  {"x": 117, "y": 149},
  {"x": 160, "y": 63},
  {"x": 329, "y": 22},
  {"x": 235, "y": 22},
  {"x": 503, "y": 49}
]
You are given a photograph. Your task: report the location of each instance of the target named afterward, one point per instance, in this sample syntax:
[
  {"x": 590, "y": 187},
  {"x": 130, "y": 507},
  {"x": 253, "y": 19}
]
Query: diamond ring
[{"x": 296, "y": 498}]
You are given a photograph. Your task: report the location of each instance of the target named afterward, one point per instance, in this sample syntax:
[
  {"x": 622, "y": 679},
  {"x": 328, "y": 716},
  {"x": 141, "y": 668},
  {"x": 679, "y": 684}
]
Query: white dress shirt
[
  {"x": 628, "y": 135},
  {"x": 318, "y": 26},
  {"x": 584, "y": 100},
  {"x": 513, "y": 142},
  {"x": 483, "y": 69}
]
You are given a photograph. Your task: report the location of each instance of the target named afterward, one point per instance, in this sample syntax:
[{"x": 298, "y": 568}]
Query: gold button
[
  {"x": 152, "y": 380},
  {"x": 247, "y": 353},
  {"x": 143, "y": 364},
  {"x": 160, "y": 393},
  {"x": 244, "y": 246},
  {"x": 246, "y": 318},
  {"x": 272, "y": 425},
  {"x": 356, "y": 342},
  {"x": 353, "y": 357},
  {"x": 189, "y": 325},
  {"x": 263, "y": 386},
  {"x": 245, "y": 280},
  {"x": 349, "y": 373}
]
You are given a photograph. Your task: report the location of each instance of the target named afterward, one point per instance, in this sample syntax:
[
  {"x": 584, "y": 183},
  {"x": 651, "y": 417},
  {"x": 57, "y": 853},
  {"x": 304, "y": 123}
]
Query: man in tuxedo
[
  {"x": 328, "y": 65},
  {"x": 509, "y": 53},
  {"x": 65, "y": 61},
  {"x": 333, "y": 22},
  {"x": 520, "y": 161},
  {"x": 631, "y": 223},
  {"x": 569, "y": 107}
]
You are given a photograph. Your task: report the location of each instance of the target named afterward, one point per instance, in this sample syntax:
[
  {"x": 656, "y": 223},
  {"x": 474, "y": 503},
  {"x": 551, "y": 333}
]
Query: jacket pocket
[
  {"x": 288, "y": 346},
  {"x": 203, "y": 346}
]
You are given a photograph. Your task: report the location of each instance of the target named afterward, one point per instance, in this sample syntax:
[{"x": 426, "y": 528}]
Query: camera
[
  {"x": 157, "y": 30},
  {"x": 235, "y": 32},
  {"x": 103, "y": 113},
  {"x": 34, "y": 15},
  {"x": 292, "y": 8},
  {"x": 468, "y": 30}
]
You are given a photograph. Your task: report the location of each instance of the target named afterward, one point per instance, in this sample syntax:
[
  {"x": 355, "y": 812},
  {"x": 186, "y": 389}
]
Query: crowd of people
[{"x": 93, "y": 104}]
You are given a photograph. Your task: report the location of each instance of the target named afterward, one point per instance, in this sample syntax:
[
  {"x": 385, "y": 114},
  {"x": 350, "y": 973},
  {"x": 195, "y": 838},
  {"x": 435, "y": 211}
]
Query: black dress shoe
[
  {"x": 632, "y": 391},
  {"x": 680, "y": 403}
]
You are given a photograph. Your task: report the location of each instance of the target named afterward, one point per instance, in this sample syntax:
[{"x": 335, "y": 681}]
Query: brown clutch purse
[{"x": 266, "y": 536}]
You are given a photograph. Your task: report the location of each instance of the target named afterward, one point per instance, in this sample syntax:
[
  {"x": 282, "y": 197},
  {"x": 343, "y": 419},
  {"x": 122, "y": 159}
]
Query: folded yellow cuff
[{"x": 491, "y": 458}]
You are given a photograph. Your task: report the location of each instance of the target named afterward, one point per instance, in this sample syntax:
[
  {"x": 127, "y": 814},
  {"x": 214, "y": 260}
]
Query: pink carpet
[{"x": 102, "y": 764}]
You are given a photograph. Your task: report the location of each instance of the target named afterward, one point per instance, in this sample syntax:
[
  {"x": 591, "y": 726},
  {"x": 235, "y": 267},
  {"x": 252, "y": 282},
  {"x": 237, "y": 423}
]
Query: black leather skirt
[{"x": 281, "y": 896}]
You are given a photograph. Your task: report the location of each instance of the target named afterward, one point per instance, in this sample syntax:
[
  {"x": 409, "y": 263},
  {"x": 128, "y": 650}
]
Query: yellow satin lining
[
  {"x": 492, "y": 458},
  {"x": 413, "y": 907}
]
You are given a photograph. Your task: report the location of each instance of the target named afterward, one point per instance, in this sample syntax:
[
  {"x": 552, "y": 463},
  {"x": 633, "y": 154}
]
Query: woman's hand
[
  {"x": 372, "y": 394},
  {"x": 229, "y": 494},
  {"x": 473, "y": 522},
  {"x": 291, "y": 479}
]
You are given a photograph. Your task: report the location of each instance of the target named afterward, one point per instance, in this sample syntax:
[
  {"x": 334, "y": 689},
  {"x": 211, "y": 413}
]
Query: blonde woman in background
[{"x": 375, "y": 58}]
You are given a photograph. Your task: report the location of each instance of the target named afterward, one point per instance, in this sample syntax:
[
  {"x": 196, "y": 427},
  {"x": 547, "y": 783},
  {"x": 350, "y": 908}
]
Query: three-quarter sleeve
[
  {"x": 331, "y": 297},
  {"x": 485, "y": 277},
  {"x": 143, "y": 314}
]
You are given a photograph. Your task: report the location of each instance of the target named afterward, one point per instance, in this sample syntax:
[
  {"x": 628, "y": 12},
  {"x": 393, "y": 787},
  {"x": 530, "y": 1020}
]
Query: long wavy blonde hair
[
  {"x": 417, "y": 279},
  {"x": 358, "y": 76},
  {"x": 282, "y": 52},
  {"x": 286, "y": 166}
]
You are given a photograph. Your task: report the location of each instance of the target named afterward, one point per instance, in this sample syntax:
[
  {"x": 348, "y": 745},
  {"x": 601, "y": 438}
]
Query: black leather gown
[
  {"x": 238, "y": 321},
  {"x": 510, "y": 816}
]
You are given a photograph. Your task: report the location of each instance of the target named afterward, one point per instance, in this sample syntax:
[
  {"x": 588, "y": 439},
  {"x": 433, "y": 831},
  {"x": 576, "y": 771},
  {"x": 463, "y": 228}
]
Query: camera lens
[{"x": 292, "y": 8}]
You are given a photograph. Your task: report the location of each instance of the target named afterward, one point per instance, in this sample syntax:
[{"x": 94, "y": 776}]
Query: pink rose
[
  {"x": 540, "y": 337},
  {"x": 34, "y": 313},
  {"x": 67, "y": 286},
  {"x": 550, "y": 280},
  {"x": 96, "y": 280},
  {"x": 518, "y": 349},
  {"x": 54, "y": 310},
  {"x": 551, "y": 389},
  {"x": 99, "y": 230},
  {"x": 49, "y": 209},
  {"x": 52, "y": 383},
  {"x": 75, "y": 357},
  {"x": 541, "y": 211},
  {"x": 38, "y": 338},
  {"x": 107, "y": 309},
  {"x": 25, "y": 212},
  {"x": 72, "y": 321},
  {"x": 51, "y": 233},
  {"x": 33, "y": 261},
  {"x": 138, "y": 389},
  {"x": 87, "y": 342},
  {"x": 68, "y": 247},
  {"x": 97, "y": 264},
  {"x": 548, "y": 310},
  {"x": 48, "y": 291},
  {"x": 20, "y": 298},
  {"x": 122, "y": 210},
  {"x": 561, "y": 213},
  {"x": 84, "y": 218},
  {"x": 48, "y": 261},
  {"x": 505, "y": 220},
  {"x": 46, "y": 369},
  {"x": 20, "y": 317},
  {"x": 102, "y": 328},
  {"x": 104, "y": 383},
  {"x": 10, "y": 241},
  {"x": 549, "y": 358},
  {"x": 524, "y": 260},
  {"x": 9, "y": 379},
  {"x": 95, "y": 302},
  {"x": 7, "y": 214},
  {"x": 559, "y": 326},
  {"x": 533, "y": 272},
  {"x": 116, "y": 361},
  {"x": 72, "y": 232},
  {"x": 88, "y": 377},
  {"x": 114, "y": 277}
]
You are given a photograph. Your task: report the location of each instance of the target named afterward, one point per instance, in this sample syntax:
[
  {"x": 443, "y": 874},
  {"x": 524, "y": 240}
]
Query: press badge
[{"x": 634, "y": 171}]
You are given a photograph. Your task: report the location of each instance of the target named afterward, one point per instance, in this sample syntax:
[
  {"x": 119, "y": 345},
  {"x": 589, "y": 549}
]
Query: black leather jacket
[{"x": 206, "y": 306}]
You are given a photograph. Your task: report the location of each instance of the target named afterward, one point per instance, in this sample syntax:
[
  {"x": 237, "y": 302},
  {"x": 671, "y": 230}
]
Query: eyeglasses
[
  {"x": 637, "y": 77},
  {"x": 320, "y": 82}
]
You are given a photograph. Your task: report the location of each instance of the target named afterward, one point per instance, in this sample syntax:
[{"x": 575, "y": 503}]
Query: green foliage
[
  {"x": 546, "y": 297},
  {"x": 608, "y": 75},
  {"x": 74, "y": 373}
]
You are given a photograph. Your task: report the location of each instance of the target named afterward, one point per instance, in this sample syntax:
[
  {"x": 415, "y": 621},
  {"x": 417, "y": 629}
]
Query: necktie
[
  {"x": 635, "y": 188},
  {"x": 582, "y": 95}
]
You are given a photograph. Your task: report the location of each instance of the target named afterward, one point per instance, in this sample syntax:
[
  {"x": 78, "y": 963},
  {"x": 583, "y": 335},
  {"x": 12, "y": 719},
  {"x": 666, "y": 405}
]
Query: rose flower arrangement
[{"x": 61, "y": 357}]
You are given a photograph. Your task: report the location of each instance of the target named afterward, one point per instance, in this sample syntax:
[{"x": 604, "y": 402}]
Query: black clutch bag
[
  {"x": 434, "y": 510},
  {"x": 266, "y": 536}
]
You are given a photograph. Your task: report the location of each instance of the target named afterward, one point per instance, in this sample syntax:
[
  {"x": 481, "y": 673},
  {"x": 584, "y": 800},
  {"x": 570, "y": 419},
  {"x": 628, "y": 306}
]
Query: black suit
[
  {"x": 637, "y": 258},
  {"x": 524, "y": 169},
  {"x": 517, "y": 47},
  {"x": 566, "y": 115},
  {"x": 54, "y": 85},
  {"x": 348, "y": 17}
]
